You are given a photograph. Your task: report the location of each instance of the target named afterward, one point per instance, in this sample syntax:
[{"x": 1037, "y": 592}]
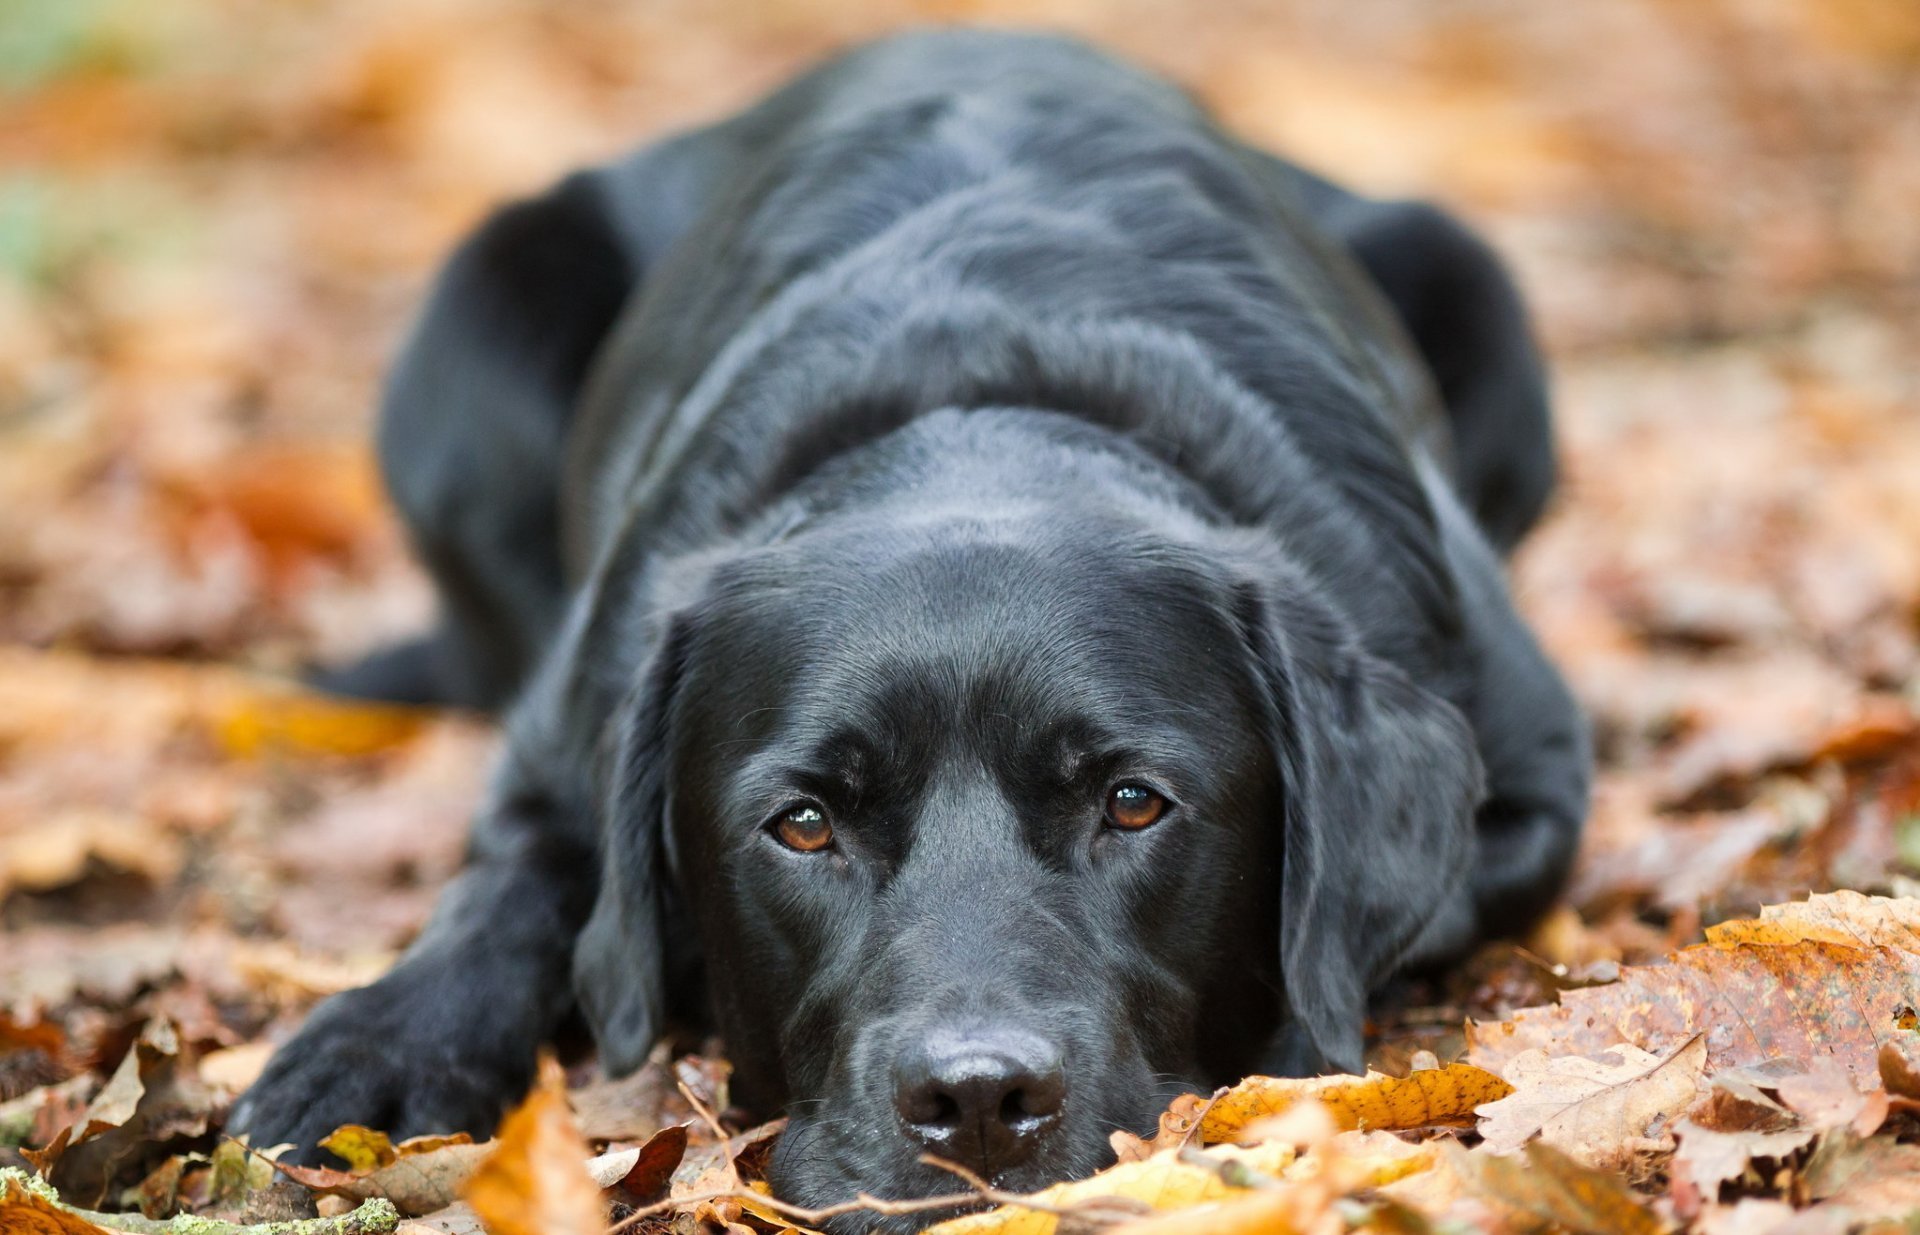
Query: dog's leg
[
  {"x": 446, "y": 1041},
  {"x": 472, "y": 428}
]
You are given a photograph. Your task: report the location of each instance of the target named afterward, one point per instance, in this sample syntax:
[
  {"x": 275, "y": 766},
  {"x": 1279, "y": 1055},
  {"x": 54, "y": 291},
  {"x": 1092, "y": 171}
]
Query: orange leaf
[{"x": 535, "y": 1182}]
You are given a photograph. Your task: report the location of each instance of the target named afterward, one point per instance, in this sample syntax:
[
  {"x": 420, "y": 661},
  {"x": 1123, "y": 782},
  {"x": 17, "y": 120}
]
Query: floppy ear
[
  {"x": 619, "y": 961},
  {"x": 1380, "y": 779}
]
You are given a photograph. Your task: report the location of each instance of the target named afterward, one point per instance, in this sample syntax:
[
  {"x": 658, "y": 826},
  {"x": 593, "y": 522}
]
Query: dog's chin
[{"x": 821, "y": 1162}]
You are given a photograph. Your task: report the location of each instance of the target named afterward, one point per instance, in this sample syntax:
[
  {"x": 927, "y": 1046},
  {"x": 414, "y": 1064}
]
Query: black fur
[{"x": 966, "y": 429}]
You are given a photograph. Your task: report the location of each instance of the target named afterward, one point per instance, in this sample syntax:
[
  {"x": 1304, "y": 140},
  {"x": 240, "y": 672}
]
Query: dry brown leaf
[
  {"x": 1437, "y": 1097},
  {"x": 1602, "y": 1111},
  {"x": 535, "y": 1181},
  {"x": 1779, "y": 986},
  {"x": 650, "y": 1174},
  {"x": 1900, "y": 1066},
  {"x": 61, "y": 844},
  {"x": 1706, "y": 1157},
  {"x": 154, "y": 1096},
  {"x": 631, "y": 1108},
  {"x": 417, "y": 1184},
  {"x": 1829, "y": 1097},
  {"x": 1874, "y": 1178},
  {"x": 1549, "y": 1185}
]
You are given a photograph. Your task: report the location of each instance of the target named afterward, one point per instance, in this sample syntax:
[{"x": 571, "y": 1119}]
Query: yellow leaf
[
  {"x": 363, "y": 1149},
  {"x": 1845, "y": 918},
  {"x": 1162, "y": 1182},
  {"x": 367, "y": 1149},
  {"x": 248, "y": 724},
  {"x": 535, "y": 1182},
  {"x": 1437, "y": 1096},
  {"x": 1250, "y": 1213}
]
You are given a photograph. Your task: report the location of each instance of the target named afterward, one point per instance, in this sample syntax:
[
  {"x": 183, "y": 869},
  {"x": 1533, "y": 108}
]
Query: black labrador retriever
[{"x": 994, "y": 587}]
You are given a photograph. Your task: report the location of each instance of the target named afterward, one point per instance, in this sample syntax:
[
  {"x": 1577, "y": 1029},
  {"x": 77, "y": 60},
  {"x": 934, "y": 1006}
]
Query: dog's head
[{"x": 993, "y": 827}]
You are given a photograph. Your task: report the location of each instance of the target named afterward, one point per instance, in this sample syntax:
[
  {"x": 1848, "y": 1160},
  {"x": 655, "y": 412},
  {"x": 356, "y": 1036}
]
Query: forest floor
[{"x": 216, "y": 218}]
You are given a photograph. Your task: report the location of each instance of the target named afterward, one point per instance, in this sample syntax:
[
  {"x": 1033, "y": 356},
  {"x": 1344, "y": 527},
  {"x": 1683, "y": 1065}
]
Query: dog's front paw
[{"x": 368, "y": 1057}]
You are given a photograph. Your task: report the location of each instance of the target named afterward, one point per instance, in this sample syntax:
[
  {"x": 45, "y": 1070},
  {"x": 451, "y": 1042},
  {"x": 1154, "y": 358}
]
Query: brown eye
[
  {"x": 803, "y": 827},
  {"x": 1131, "y": 807}
]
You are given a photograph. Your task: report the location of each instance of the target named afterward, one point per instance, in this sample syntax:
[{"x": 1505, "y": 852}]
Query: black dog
[{"x": 997, "y": 617}]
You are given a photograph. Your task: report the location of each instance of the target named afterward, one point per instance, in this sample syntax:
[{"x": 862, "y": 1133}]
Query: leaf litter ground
[{"x": 216, "y": 223}]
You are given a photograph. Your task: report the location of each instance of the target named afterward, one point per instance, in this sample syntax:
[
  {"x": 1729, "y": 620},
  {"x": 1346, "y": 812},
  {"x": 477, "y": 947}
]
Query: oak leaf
[{"x": 1602, "y": 1111}]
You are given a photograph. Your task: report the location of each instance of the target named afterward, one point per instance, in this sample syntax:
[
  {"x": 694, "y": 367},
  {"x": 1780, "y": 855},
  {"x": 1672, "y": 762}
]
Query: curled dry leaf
[
  {"x": 1823, "y": 979},
  {"x": 1602, "y": 1111},
  {"x": 1436, "y": 1097},
  {"x": 535, "y": 1181},
  {"x": 153, "y": 1097}
]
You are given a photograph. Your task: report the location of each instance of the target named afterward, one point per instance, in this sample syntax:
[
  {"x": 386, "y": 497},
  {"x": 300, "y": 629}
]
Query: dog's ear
[
  {"x": 619, "y": 961},
  {"x": 1380, "y": 780}
]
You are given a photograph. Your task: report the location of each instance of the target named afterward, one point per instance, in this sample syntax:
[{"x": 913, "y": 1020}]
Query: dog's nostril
[{"x": 981, "y": 1099}]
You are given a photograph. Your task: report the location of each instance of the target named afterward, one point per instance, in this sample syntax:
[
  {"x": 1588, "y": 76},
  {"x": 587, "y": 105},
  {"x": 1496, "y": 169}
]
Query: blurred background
[{"x": 216, "y": 217}]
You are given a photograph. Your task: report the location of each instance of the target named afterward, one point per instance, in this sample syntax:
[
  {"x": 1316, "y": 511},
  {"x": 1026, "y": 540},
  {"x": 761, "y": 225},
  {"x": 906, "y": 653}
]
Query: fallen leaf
[
  {"x": 1874, "y": 1178},
  {"x": 1549, "y": 1185},
  {"x": 1437, "y": 1097},
  {"x": 651, "y": 1172},
  {"x": 1830, "y": 1097},
  {"x": 27, "y": 1210},
  {"x": 632, "y": 1108},
  {"x": 61, "y": 844},
  {"x": 366, "y": 1150},
  {"x": 251, "y": 723},
  {"x": 535, "y": 1181},
  {"x": 1900, "y": 1066},
  {"x": 1706, "y": 1158},
  {"x": 1163, "y": 1182},
  {"x": 154, "y": 1096},
  {"x": 417, "y": 1184},
  {"x": 1601, "y": 1110},
  {"x": 1846, "y": 918},
  {"x": 1783, "y": 985}
]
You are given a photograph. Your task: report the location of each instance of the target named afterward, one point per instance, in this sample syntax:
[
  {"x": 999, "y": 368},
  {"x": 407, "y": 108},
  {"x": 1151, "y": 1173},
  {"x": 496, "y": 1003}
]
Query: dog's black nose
[{"x": 981, "y": 1099}]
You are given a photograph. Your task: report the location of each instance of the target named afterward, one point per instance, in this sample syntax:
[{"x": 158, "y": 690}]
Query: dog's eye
[
  {"x": 803, "y": 827},
  {"x": 1131, "y": 807}
]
